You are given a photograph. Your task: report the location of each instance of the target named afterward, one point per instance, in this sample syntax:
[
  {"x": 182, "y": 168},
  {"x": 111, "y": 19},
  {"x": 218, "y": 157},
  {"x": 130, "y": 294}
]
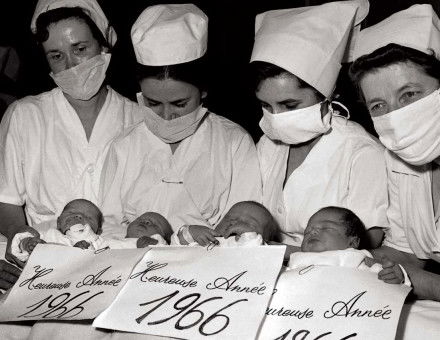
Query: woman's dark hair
[
  {"x": 53, "y": 16},
  {"x": 193, "y": 72},
  {"x": 263, "y": 70},
  {"x": 393, "y": 54}
]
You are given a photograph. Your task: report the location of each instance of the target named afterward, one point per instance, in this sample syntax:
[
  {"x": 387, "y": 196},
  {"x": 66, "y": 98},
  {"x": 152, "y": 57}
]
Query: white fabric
[
  {"x": 417, "y": 27},
  {"x": 209, "y": 172},
  {"x": 173, "y": 130},
  {"x": 296, "y": 126},
  {"x": 248, "y": 239},
  {"x": 170, "y": 34},
  {"x": 351, "y": 258},
  {"x": 45, "y": 158},
  {"x": 309, "y": 42},
  {"x": 417, "y": 143},
  {"x": 84, "y": 80},
  {"x": 413, "y": 225},
  {"x": 345, "y": 168},
  {"x": 92, "y": 9}
]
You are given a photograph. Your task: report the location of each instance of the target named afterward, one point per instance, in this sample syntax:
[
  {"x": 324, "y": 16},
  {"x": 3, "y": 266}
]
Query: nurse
[
  {"x": 311, "y": 155},
  {"x": 53, "y": 145},
  {"x": 397, "y": 71},
  {"x": 182, "y": 161}
]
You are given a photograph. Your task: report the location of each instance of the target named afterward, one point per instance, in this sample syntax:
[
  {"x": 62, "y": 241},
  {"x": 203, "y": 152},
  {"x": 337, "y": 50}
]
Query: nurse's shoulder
[{"x": 226, "y": 127}]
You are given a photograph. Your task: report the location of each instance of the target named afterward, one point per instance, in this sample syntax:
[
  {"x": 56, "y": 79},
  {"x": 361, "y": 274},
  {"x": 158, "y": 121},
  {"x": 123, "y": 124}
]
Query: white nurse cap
[
  {"x": 309, "y": 42},
  {"x": 91, "y": 8},
  {"x": 170, "y": 34},
  {"x": 417, "y": 27}
]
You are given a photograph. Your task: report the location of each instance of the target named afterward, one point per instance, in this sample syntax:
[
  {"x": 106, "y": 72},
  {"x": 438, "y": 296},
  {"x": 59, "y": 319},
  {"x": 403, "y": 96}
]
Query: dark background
[{"x": 231, "y": 32}]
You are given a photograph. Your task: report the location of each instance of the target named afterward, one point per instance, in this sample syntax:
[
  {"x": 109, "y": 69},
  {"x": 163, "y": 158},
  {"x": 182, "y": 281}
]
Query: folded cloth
[
  {"x": 249, "y": 239},
  {"x": 76, "y": 233},
  {"x": 16, "y": 250},
  {"x": 351, "y": 258}
]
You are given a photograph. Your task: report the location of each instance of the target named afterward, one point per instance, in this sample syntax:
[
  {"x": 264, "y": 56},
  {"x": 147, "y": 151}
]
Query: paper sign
[
  {"x": 197, "y": 293},
  {"x": 67, "y": 283},
  {"x": 332, "y": 303}
]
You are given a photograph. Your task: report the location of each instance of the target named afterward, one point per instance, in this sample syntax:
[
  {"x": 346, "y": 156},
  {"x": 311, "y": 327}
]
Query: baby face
[
  {"x": 246, "y": 215},
  {"x": 326, "y": 230},
  {"x": 79, "y": 212},
  {"x": 149, "y": 224}
]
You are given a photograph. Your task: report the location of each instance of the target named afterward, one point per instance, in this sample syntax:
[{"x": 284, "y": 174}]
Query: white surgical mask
[
  {"x": 297, "y": 126},
  {"x": 84, "y": 80},
  {"x": 413, "y": 131},
  {"x": 174, "y": 130}
]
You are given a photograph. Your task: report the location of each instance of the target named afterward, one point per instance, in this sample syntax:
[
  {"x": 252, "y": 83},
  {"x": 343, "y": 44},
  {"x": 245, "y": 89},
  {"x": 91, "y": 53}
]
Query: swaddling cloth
[
  {"x": 351, "y": 258},
  {"x": 249, "y": 239}
]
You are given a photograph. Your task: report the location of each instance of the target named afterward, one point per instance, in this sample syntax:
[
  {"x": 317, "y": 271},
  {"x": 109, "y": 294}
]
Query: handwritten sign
[
  {"x": 332, "y": 303},
  {"x": 67, "y": 283},
  {"x": 197, "y": 293}
]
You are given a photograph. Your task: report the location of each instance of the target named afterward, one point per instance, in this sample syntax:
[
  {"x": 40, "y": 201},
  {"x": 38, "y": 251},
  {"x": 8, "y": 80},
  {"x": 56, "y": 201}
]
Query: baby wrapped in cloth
[
  {"x": 332, "y": 238},
  {"x": 80, "y": 225},
  {"x": 247, "y": 223}
]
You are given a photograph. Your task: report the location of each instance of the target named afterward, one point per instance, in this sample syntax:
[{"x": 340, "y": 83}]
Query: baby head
[
  {"x": 333, "y": 228},
  {"x": 148, "y": 224},
  {"x": 250, "y": 216},
  {"x": 80, "y": 211}
]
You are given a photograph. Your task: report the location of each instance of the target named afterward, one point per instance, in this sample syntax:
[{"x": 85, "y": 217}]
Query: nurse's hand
[
  {"x": 17, "y": 230},
  {"x": 203, "y": 235},
  {"x": 8, "y": 275}
]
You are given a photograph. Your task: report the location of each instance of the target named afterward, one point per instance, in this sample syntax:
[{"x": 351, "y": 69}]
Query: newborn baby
[
  {"x": 150, "y": 229},
  {"x": 333, "y": 230},
  {"x": 80, "y": 225},
  {"x": 246, "y": 223}
]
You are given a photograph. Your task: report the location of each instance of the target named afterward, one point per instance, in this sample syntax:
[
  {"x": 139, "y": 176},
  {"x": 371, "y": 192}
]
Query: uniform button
[
  {"x": 280, "y": 210},
  {"x": 90, "y": 169}
]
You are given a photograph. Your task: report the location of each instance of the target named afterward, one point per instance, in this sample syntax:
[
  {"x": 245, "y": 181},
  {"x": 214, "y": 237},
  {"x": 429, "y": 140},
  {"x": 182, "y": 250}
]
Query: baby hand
[
  {"x": 82, "y": 244},
  {"x": 29, "y": 243},
  {"x": 203, "y": 235},
  {"x": 391, "y": 272},
  {"x": 145, "y": 241}
]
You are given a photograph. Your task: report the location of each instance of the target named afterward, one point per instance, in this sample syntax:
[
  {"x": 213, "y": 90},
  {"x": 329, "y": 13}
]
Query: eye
[
  {"x": 377, "y": 109},
  {"x": 410, "y": 97},
  {"x": 55, "y": 57},
  {"x": 180, "y": 105},
  {"x": 292, "y": 106},
  {"x": 151, "y": 103},
  {"x": 81, "y": 49}
]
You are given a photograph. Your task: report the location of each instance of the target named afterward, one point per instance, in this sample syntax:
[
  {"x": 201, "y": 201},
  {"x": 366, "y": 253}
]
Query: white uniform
[
  {"x": 345, "y": 168},
  {"x": 46, "y": 160},
  {"x": 210, "y": 171},
  {"x": 413, "y": 226}
]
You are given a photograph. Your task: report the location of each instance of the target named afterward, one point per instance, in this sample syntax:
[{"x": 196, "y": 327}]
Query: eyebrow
[{"x": 176, "y": 101}]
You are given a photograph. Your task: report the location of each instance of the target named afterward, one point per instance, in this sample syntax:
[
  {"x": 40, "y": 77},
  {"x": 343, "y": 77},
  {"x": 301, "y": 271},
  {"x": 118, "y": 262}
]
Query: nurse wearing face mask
[
  {"x": 397, "y": 72},
  {"x": 311, "y": 155},
  {"x": 184, "y": 162},
  {"x": 53, "y": 145}
]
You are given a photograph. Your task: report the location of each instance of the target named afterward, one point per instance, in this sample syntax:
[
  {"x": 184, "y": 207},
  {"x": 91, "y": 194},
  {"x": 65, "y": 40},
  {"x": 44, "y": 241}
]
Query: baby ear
[{"x": 354, "y": 242}]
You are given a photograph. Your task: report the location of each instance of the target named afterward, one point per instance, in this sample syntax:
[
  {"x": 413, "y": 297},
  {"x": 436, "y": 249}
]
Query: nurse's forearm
[
  {"x": 397, "y": 256},
  {"x": 11, "y": 217},
  {"x": 426, "y": 284}
]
